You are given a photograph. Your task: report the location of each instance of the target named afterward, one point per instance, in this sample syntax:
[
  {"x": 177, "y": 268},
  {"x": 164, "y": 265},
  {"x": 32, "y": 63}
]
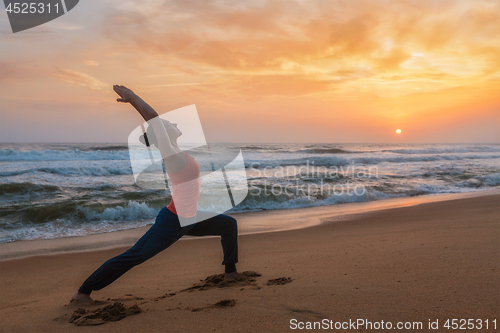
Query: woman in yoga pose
[{"x": 184, "y": 173}]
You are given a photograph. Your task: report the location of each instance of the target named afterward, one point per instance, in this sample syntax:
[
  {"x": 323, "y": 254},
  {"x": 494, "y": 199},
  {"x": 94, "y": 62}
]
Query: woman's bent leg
[
  {"x": 161, "y": 235},
  {"x": 226, "y": 227}
]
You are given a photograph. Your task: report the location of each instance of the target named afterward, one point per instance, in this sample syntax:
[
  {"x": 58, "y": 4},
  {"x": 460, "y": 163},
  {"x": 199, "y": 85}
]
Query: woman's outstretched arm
[{"x": 174, "y": 161}]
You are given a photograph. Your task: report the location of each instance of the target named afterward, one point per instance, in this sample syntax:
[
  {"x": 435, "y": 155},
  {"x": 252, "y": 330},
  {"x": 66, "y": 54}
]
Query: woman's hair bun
[{"x": 148, "y": 138}]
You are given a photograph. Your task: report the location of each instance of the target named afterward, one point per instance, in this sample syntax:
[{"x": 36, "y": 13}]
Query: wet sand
[{"x": 432, "y": 261}]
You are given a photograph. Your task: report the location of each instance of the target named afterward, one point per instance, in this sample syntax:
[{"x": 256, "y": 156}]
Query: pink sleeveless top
[{"x": 186, "y": 189}]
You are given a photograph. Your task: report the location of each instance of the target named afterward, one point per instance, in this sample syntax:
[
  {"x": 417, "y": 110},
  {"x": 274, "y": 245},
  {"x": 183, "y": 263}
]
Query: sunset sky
[{"x": 259, "y": 71}]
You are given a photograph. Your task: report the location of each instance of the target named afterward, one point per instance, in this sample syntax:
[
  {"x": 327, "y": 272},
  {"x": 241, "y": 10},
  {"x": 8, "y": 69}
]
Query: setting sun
[{"x": 398, "y": 131}]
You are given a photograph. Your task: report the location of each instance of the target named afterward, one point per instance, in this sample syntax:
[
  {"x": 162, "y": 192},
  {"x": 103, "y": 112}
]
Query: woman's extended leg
[{"x": 161, "y": 235}]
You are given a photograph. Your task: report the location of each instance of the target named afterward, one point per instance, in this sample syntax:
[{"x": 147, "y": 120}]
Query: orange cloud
[{"x": 359, "y": 42}]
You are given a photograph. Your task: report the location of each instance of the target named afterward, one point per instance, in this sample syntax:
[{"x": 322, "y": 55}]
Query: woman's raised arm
[{"x": 152, "y": 118}]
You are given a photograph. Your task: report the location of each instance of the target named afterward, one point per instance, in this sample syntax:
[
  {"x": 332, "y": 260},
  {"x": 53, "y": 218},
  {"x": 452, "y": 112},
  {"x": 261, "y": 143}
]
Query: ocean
[{"x": 54, "y": 190}]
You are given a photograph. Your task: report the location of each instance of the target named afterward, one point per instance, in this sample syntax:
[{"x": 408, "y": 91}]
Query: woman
[{"x": 184, "y": 173}]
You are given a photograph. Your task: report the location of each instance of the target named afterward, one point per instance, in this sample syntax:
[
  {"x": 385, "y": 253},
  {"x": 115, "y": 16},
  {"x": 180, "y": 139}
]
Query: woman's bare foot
[
  {"x": 234, "y": 276},
  {"x": 78, "y": 296}
]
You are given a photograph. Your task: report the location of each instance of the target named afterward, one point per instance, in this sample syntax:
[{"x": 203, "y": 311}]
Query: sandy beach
[{"x": 432, "y": 261}]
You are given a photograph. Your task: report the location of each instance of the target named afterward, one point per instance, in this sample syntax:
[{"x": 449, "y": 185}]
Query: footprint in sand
[
  {"x": 226, "y": 303},
  {"x": 279, "y": 281},
  {"x": 217, "y": 281},
  {"x": 99, "y": 316}
]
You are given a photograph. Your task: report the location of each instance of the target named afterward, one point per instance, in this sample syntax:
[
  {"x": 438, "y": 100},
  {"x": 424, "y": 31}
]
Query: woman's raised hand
[
  {"x": 128, "y": 96},
  {"x": 125, "y": 93}
]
